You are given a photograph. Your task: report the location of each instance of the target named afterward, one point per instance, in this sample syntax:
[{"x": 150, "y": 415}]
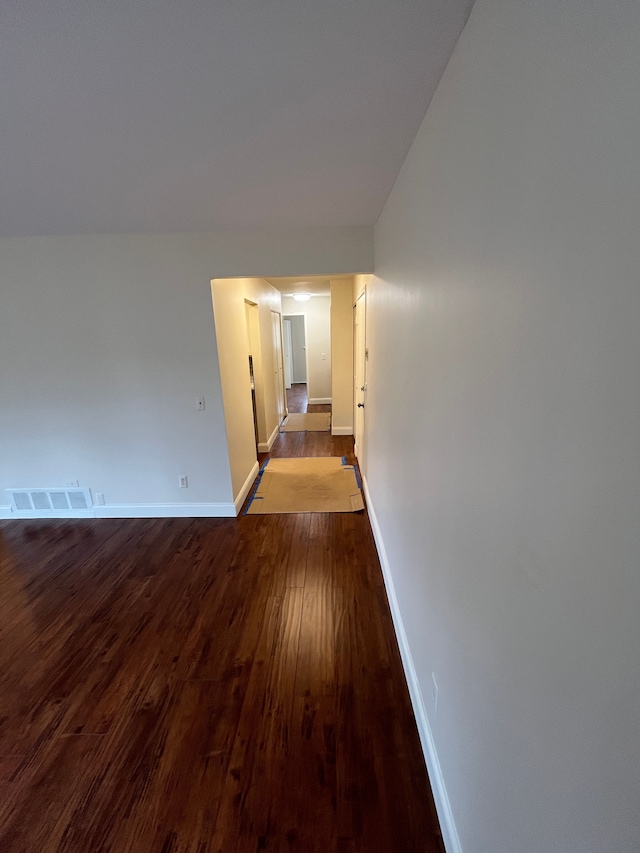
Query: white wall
[
  {"x": 503, "y": 421},
  {"x": 233, "y": 351},
  {"x": 268, "y": 300},
  {"x": 318, "y": 332},
  {"x": 342, "y": 356},
  {"x": 105, "y": 343},
  {"x": 360, "y": 284},
  {"x": 254, "y": 343}
]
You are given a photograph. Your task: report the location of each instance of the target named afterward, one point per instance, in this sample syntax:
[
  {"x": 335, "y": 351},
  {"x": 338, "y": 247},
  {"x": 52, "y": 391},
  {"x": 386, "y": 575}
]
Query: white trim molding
[
  {"x": 443, "y": 805},
  {"x": 9, "y": 512},
  {"x": 191, "y": 510},
  {"x": 343, "y": 430},
  {"x": 265, "y": 446},
  {"x": 318, "y": 401},
  {"x": 246, "y": 488}
]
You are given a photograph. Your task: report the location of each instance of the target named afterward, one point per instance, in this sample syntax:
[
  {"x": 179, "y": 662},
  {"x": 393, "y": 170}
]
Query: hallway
[
  {"x": 205, "y": 685},
  {"x": 309, "y": 443},
  {"x": 297, "y": 399}
]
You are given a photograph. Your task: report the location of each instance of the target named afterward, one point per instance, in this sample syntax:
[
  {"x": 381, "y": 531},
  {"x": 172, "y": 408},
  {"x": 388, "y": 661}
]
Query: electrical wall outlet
[
  {"x": 434, "y": 693},
  {"x": 99, "y": 499},
  {"x": 183, "y": 480}
]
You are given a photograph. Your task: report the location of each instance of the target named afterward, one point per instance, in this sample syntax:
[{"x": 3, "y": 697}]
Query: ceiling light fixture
[{"x": 301, "y": 297}]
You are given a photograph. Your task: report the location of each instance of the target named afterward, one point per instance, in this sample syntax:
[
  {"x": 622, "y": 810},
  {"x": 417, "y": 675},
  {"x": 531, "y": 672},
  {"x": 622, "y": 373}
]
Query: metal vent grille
[
  {"x": 32, "y": 501},
  {"x": 40, "y": 500},
  {"x": 21, "y": 501},
  {"x": 59, "y": 500}
]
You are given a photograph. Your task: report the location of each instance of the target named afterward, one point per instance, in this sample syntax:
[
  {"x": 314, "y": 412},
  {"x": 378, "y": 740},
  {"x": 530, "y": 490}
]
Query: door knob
[{"x": 361, "y": 405}]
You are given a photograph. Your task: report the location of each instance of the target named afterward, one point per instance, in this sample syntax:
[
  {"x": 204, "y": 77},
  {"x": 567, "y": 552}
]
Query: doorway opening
[
  {"x": 360, "y": 356},
  {"x": 278, "y": 357},
  {"x": 280, "y": 350},
  {"x": 296, "y": 348},
  {"x": 295, "y": 359},
  {"x": 256, "y": 379}
]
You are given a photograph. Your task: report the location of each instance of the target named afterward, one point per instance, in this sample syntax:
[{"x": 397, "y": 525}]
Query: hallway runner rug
[
  {"x": 298, "y": 422},
  {"x": 311, "y": 484}
]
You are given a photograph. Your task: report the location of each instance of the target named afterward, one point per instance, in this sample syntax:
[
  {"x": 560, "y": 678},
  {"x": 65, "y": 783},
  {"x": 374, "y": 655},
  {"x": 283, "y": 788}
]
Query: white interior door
[
  {"x": 359, "y": 376},
  {"x": 278, "y": 366},
  {"x": 286, "y": 342}
]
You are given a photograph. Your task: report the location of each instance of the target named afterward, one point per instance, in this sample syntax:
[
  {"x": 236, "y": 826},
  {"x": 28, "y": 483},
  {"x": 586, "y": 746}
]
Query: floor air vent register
[{"x": 26, "y": 501}]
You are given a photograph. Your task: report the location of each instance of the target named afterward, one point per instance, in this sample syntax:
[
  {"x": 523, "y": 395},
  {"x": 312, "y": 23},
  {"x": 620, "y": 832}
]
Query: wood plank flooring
[{"x": 205, "y": 686}]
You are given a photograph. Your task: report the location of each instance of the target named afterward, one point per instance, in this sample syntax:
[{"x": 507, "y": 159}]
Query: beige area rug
[
  {"x": 309, "y": 484},
  {"x": 298, "y": 422}
]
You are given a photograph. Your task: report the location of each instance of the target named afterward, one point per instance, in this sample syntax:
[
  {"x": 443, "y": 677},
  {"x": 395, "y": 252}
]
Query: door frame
[
  {"x": 278, "y": 363},
  {"x": 359, "y": 366},
  {"x": 286, "y": 353},
  {"x": 306, "y": 337}
]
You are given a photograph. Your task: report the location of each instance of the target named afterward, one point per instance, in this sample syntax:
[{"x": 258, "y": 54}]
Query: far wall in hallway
[{"x": 318, "y": 337}]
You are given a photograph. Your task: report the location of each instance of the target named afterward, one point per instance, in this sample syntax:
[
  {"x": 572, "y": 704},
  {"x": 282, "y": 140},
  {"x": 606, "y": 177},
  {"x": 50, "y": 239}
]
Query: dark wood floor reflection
[{"x": 196, "y": 685}]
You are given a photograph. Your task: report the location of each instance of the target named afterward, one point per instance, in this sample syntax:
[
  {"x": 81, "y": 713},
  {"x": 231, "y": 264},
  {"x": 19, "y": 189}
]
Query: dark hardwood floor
[
  {"x": 309, "y": 443},
  {"x": 200, "y": 685},
  {"x": 297, "y": 399}
]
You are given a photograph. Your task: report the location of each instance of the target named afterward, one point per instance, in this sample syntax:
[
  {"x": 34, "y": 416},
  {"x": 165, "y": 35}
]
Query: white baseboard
[
  {"x": 246, "y": 488},
  {"x": 7, "y": 512},
  {"x": 193, "y": 510},
  {"x": 265, "y": 446},
  {"x": 318, "y": 401},
  {"x": 443, "y": 805},
  {"x": 345, "y": 430}
]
